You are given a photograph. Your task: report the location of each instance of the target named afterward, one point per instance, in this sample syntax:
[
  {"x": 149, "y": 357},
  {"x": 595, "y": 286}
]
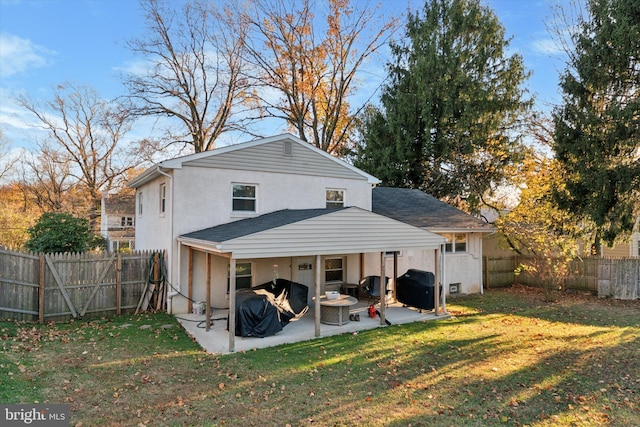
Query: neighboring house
[
  {"x": 463, "y": 233},
  {"x": 240, "y": 215},
  {"x": 117, "y": 221},
  {"x": 623, "y": 250}
]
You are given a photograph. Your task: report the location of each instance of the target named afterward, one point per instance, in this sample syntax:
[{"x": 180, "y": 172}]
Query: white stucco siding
[
  {"x": 153, "y": 229},
  {"x": 464, "y": 268},
  {"x": 203, "y": 196}
]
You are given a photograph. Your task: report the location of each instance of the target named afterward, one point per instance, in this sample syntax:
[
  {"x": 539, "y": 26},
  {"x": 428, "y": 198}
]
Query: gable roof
[
  {"x": 310, "y": 232},
  {"x": 422, "y": 210},
  {"x": 281, "y": 153}
]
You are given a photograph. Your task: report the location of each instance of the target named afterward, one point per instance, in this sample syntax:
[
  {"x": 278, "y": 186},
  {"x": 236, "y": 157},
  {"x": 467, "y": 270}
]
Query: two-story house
[
  {"x": 117, "y": 221},
  {"x": 239, "y": 215}
]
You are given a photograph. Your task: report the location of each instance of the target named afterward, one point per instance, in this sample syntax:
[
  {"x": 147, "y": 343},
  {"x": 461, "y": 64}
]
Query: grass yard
[{"x": 505, "y": 359}]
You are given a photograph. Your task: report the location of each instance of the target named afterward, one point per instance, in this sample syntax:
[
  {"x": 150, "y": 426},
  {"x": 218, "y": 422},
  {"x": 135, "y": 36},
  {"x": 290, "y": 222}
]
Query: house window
[
  {"x": 244, "y": 276},
  {"x": 244, "y": 198},
  {"x": 333, "y": 270},
  {"x": 122, "y": 245},
  {"x": 335, "y": 198},
  {"x": 126, "y": 221},
  {"x": 638, "y": 248},
  {"x": 140, "y": 203},
  {"x": 455, "y": 242},
  {"x": 163, "y": 198}
]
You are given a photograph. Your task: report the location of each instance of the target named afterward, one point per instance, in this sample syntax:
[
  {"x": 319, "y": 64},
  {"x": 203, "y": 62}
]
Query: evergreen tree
[
  {"x": 449, "y": 110},
  {"x": 60, "y": 232},
  {"x": 597, "y": 129}
]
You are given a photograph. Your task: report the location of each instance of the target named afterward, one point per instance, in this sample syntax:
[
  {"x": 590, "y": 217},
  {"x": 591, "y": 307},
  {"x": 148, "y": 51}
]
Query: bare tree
[
  {"x": 47, "y": 180},
  {"x": 194, "y": 75},
  {"x": 312, "y": 63},
  {"x": 89, "y": 136},
  {"x": 6, "y": 160}
]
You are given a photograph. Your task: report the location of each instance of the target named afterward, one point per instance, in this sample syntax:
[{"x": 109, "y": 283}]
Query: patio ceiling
[{"x": 309, "y": 232}]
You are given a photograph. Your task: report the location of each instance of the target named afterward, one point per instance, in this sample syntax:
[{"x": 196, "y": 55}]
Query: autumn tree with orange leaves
[{"x": 311, "y": 62}]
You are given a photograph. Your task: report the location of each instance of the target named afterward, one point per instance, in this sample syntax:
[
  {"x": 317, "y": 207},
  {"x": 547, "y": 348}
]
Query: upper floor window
[
  {"x": 335, "y": 198},
  {"x": 163, "y": 198},
  {"x": 126, "y": 221},
  {"x": 140, "y": 194},
  {"x": 244, "y": 198},
  {"x": 333, "y": 270},
  {"x": 455, "y": 242}
]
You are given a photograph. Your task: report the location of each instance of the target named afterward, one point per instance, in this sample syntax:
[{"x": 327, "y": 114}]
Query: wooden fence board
[
  {"x": 61, "y": 286},
  {"x": 607, "y": 277}
]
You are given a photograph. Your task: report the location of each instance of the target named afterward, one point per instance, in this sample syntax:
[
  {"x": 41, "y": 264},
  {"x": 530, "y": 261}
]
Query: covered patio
[
  {"x": 304, "y": 233},
  {"x": 216, "y": 339}
]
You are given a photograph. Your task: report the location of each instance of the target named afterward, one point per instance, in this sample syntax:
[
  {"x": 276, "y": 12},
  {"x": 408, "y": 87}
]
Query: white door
[{"x": 305, "y": 274}]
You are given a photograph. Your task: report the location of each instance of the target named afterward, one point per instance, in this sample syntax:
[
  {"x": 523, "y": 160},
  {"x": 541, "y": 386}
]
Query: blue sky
[{"x": 47, "y": 42}]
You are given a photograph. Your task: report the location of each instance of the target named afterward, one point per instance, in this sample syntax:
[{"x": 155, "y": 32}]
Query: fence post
[
  {"x": 486, "y": 272},
  {"x": 41, "y": 290},
  {"x": 119, "y": 285},
  {"x": 156, "y": 281}
]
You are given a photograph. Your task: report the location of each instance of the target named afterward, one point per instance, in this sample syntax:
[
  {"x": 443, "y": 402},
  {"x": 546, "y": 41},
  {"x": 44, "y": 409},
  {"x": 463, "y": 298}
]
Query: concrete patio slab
[{"x": 216, "y": 340}]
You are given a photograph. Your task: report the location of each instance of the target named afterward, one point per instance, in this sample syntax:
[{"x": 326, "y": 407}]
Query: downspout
[{"x": 173, "y": 291}]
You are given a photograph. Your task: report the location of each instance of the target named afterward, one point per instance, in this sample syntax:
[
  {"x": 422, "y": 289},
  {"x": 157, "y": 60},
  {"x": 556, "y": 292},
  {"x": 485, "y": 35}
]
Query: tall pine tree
[
  {"x": 597, "y": 129},
  {"x": 448, "y": 112}
]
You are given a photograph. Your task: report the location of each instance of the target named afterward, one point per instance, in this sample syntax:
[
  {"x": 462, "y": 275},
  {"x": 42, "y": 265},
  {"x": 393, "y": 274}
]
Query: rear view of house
[{"x": 277, "y": 207}]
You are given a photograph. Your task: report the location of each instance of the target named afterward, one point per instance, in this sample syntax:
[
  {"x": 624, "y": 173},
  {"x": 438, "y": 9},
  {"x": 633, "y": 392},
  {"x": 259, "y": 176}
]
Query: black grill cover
[
  {"x": 264, "y": 310},
  {"x": 255, "y": 315},
  {"x": 416, "y": 288}
]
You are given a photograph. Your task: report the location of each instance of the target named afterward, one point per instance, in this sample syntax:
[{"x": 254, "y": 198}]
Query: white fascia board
[
  {"x": 460, "y": 230},
  {"x": 203, "y": 245}
]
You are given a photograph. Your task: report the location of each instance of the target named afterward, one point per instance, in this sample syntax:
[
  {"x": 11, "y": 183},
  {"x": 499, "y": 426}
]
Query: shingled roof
[
  {"x": 247, "y": 226},
  {"x": 422, "y": 210}
]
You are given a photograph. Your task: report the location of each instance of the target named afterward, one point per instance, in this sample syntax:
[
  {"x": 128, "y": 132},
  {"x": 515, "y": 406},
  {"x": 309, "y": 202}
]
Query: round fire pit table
[{"x": 336, "y": 311}]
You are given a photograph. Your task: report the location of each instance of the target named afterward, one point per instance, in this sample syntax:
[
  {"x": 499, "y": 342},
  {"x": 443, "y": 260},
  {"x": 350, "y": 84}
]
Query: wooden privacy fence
[
  {"x": 76, "y": 285},
  {"x": 607, "y": 277}
]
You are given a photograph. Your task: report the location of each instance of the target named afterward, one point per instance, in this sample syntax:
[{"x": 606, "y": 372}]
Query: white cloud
[
  {"x": 547, "y": 46},
  {"x": 18, "y": 55}
]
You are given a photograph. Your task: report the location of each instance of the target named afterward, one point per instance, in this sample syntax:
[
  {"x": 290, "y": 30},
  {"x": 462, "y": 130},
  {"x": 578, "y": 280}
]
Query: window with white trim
[
  {"x": 244, "y": 276},
  {"x": 126, "y": 221},
  {"x": 244, "y": 198},
  {"x": 163, "y": 198},
  {"x": 456, "y": 242},
  {"x": 140, "y": 194},
  {"x": 334, "y": 270},
  {"x": 334, "y": 198}
]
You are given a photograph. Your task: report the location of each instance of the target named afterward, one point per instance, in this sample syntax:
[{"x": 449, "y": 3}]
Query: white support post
[
  {"x": 383, "y": 290},
  {"x": 316, "y": 288},
  {"x": 232, "y": 304},
  {"x": 444, "y": 279}
]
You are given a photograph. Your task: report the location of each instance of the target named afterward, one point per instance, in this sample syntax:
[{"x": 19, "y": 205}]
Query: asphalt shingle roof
[
  {"x": 245, "y": 227},
  {"x": 422, "y": 210}
]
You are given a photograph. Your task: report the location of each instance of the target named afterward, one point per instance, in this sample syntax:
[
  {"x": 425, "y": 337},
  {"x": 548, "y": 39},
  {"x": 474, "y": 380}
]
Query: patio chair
[{"x": 370, "y": 286}]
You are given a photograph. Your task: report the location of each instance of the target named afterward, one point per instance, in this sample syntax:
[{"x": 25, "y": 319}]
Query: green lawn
[{"x": 505, "y": 358}]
